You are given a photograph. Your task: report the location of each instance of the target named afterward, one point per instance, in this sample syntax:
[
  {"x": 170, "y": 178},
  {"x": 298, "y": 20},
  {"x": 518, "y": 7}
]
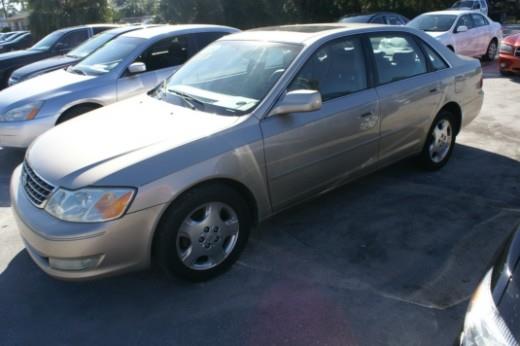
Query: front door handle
[
  {"x": 433, "y": 90},
  {"x": 366, "y": 115}
]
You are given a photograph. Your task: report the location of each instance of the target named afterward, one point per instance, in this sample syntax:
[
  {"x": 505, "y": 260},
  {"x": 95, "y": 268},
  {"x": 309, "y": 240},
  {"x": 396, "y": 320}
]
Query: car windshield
[
  {"x": 228, "y": 77},
  {"x": 433, "y": 22},
  {"x": 107, "y": 57},
  {"x": 356, "y": 19},
  {"x": 48, "y": 41},
  {"x": 91, "y": 45}
]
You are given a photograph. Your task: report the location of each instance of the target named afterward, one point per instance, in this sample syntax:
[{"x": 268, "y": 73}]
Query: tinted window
[
  {"x": 48, "y": 41},
  {"x": 205, "y": 38},
  {"x": 465, "y": 20},
  {"x": 435, "y": 59},
  {"x": 90, "y": 45},
  {"x": 98, "y": 29},
  {"x": 378, "y": 20},
  {"x": 169, "y": 52},
  {"x": 397, "y": 57},
  {"x": 73, "y": 39},
  {"x": 393, "y": 20},
  {"x": 336, "y": 69},
  {"x": 478, "y": 20}
]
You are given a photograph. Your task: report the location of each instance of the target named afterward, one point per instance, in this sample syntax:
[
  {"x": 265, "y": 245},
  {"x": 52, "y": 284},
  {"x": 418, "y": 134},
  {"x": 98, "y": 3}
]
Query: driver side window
[
  {"x": 72, "y": 40},
  {"x": 169, "y": 52},
  {"x": 335, "y": 70},
  {"x": 466, "y": 21}
]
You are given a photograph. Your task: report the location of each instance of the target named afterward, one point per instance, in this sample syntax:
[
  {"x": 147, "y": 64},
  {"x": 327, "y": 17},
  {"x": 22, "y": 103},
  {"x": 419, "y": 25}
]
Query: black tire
[
  {"x": 166, "y": 253},
  {"x": 74, "y": 112},
  {"x": 425, "y": 158},
  {"x": 492, "y": 47}
]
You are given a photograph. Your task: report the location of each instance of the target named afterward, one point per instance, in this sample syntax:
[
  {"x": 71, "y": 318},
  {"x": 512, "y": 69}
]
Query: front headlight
[
  {"x": 26, "y": 112},
  {"x": 483, "y": 324},
  {"x": 506, "y": 48},
  {"x": 90, "y": 204}
]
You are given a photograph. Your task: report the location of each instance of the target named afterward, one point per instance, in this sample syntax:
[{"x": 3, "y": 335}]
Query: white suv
[{"x": 477, "y": 5}]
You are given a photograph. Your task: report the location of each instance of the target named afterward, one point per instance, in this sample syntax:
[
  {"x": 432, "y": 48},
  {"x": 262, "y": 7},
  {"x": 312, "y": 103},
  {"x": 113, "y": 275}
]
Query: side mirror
[
  {"x": 298, "y": 101},
  {"x": 137, "y": 67},
  {"x": 462, "y": 28}
]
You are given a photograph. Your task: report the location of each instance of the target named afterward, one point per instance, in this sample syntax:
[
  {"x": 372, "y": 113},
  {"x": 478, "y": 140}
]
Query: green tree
[{"x": 49, "y": 15}]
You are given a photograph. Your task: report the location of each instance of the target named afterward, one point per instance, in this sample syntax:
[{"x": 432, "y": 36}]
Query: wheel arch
[
  {"x": 454, "y": 109},
  {"x": 68, "y": 108},
  {"x": 241, "y": 188}
]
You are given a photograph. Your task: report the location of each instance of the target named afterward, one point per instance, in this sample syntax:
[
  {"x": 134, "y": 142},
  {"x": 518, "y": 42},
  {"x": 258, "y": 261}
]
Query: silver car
[
  {"x": 131, "y": 64},
  {"x": 254, "y": 123}
]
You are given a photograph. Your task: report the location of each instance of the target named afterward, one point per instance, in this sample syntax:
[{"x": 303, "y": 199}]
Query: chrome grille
[{"x": 36, "y": 188}]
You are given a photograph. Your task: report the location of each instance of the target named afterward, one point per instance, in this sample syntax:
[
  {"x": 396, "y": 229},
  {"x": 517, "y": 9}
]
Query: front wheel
[
  {"x": 202, "y": 234},
  {"x": 440, "y": 142}
]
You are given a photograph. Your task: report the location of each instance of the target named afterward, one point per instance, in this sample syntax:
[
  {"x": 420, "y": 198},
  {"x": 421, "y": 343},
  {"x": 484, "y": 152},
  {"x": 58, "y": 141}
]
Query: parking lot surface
[{"x": 387, "y": 260}]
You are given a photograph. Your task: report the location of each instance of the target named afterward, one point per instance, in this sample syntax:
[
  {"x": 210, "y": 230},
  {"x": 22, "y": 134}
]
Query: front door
[{"x": 309, "y": 152}]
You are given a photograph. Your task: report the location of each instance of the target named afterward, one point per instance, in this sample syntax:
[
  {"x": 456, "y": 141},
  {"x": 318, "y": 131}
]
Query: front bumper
[
  {"x": 19, "y": 134},
  {"x": 509, "y": 63},
  {"x": 119, "y": 246}
]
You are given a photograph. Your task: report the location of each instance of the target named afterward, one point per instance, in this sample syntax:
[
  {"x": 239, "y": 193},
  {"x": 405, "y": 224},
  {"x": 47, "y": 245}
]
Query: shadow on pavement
[{"x": 421, "y": 237}]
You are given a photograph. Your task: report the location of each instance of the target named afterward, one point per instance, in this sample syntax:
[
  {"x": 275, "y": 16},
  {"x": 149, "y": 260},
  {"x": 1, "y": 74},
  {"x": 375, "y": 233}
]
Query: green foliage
[{"x": 49, "y": 15}]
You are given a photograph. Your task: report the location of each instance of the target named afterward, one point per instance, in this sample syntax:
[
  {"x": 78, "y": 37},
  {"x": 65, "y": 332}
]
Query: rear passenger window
[
  {"x": 397, "y": 57},
  {"x": 336, "y": 69},
  {"x": 436, "y": 61},
  {"x": 74, "y": 38},
  {"x": 393, "y": 20}
]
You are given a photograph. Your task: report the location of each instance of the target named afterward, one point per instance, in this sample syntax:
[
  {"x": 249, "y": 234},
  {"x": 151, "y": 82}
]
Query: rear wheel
[
  {"x": 202, "y": 234},
  {"x": 491, "y": 52},
  {"x": 440, "y": 142},
  {"x": 75, "y": 111}
]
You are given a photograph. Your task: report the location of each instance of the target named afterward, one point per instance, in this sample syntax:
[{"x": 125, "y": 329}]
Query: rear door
[
  {"x": 161, "y": 59},
  {"x": 483, "y": 29},
  {"x": 309, "y": 152},
  {"x": 408, "y": 94}
]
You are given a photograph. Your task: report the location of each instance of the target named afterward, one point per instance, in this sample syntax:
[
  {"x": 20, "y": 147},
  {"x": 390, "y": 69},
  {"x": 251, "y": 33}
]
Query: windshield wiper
[{"x": 190, "y": 100}]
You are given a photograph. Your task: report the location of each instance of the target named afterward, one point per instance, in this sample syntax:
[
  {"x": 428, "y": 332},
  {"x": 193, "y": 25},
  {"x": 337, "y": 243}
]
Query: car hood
[
  {"x": 513, "y": 40},
  {"x": 41, "y": 88},
  {"x": 18, "y": 54},
  {"x": 96, "y": 148},
  {"x": 43, "y": 65}
]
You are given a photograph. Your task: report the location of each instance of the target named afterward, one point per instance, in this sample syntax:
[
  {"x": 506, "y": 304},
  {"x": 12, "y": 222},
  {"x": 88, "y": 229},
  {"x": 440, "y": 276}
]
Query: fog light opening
[{"x": 74, "y": 264}]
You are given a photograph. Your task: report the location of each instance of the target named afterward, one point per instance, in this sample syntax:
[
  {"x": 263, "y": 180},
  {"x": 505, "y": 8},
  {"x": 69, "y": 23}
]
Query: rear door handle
[
  {"x": 366, "y": 115},
  {"x": 432, "y": 90}
]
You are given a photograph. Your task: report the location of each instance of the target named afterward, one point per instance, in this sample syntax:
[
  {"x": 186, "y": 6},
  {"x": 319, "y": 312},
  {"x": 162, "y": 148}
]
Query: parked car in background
[
  {"x": 71, "y": 58},
  {"x": 509, "y": 58},
  {"x": 254, "y": 123},
  {"x": 131, "y": 64},
  {"x": 58, "y": 42},
  {"x": 475, "y": 5},
  {"x": 467, "y": 33},
  {"x": 12, "y": 35},
  {"x": 376, "y": 18},
  {"x": 20, "y": 42},
  {"x": 493, "y": 315}
]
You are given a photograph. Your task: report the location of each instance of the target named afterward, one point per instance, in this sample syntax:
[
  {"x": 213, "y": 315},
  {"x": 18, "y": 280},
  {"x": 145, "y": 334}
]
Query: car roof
[
  {"x": 300, "y": 33},
  {"x": 181, "y": 29},
  {"x": 371, "y": 14},
  {"x": 87, "y": 26},
  {"x": 126, "y": 28},
  {"x": 453, "y": 12}
]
